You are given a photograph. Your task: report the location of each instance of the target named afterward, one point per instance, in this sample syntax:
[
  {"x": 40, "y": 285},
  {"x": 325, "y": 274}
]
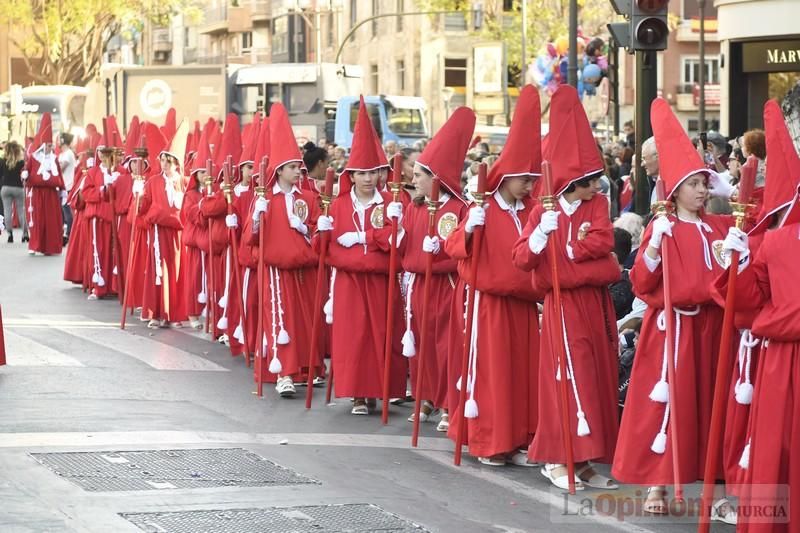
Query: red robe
[
  {"x": 122, "y": 200},
  {"x": 158, "y": 208},
  {"x": 695, "y": 263},
  {"x": 76, "y": 264},
  {"x": 248, "y": 261},
  {"x": 43, "y": 186},
  {"x": 211, "y": 216},
  {"x": 289, "y": 284},
  {"x": 503, "y": 374},
  {"x": 590, "y": 331},
  {"x": 768, "y": 287},
  {"x": 99, "y": 215},
  {"x": 242, "y": 196},
  {"x": 192, "y": 269},
  {"x": 140, "y": 227},
  {"x": 440, "y": 301},
  {"x": 360, "y": 286}
]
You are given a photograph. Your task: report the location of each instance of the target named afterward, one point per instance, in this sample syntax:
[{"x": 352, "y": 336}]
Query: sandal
[
  {"x": 496, "y": 460},
  {"x": 562, "y": 481},
  {"x": 655, "y": 502},
  {"x": 359, "y": 407},
  {"x": 520, "y": 458},
  {"x": 595, "y": 481},
  {"x": 444, "y": 423},
  {"x": 730, "y": 515},
  {"x": 425, "y": 412}
]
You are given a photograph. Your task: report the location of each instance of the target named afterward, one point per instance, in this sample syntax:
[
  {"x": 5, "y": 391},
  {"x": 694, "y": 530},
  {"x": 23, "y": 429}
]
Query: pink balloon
[{"x": 551, "y": 49}]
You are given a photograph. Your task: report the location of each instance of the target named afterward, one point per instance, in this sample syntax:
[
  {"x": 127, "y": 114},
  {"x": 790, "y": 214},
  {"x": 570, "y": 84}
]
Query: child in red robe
[{"x": 43, "y": 186}]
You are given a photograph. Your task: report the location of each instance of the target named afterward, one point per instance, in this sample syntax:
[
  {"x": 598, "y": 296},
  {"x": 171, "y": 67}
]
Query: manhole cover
[
  {"x": 168, "y": 469},
  {"x": 350, "y": 518}
]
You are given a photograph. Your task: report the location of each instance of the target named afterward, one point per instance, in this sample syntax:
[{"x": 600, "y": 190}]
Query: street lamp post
[
  {"x": 572, "y": 70},
  {"x": 524, "y": 53},
  {"x": 701, "y": 78}
]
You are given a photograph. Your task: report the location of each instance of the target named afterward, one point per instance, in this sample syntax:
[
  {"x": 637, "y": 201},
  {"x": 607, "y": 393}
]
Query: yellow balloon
[{"x": 562, "y": 45}]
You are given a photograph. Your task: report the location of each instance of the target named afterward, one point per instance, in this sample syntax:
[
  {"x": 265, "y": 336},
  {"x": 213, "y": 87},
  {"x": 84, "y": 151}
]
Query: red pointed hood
[
  {"x": 677, "y": 156},
  {"x": 155, "y": 143},
  {"x": 45, "y": 133},
  {"x": 366, "y": 152},
  {"x": 522, "y": 153},
  {"x": 170, "y": 126},
  {"x": 231, "y": 144},
  {"x": 250, "y": 141},
  {"x": 213, "y": 135},
  {"x": 444, "y": 155},
  {"x": 111, "y": 135},
  {"x": 93, "y": 139},
  {"x": 783, "y": 166},
  {"x": 571, "y": 148},
  {"x": 202, "y": 156},
  {"x": 283, "y": 145},
  {"x": 133, "y": 136},
  {"x": 262, "y": 147}
]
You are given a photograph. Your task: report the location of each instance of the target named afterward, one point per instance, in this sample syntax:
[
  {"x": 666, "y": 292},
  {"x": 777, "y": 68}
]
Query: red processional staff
[
  {"x": 324, "y": 236},
  {"x": 477, "y": 238},
  {"x": 549, "y": 203},
  {"x": 395, "y": 187},
  {"x": 433, "y": 207},
  {"x": 211, "y": 301},
  {"x": 233, "y": 250},
  {"x": 724, "y": 362},
  {"x": 260, "y": 355},
  {"x": 663, "y": 208},
  {"x": 133, "y": 245}
]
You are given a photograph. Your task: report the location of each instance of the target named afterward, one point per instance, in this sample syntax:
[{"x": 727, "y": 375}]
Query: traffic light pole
[
  {"x": 646, "y": 92},
  {"x": 701, "y": 77},
  {"x": 572, "y": 65}
]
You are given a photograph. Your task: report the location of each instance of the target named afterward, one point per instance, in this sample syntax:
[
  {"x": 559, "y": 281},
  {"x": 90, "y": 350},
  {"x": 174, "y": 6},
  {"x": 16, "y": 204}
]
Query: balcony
[
  {"x": 215, "y": 19},
  {"x": 189, "y": 55},
  {"x": 161, "y": 40},
  {"x": 261, "y": 10},
  {"x": 688, "y": 97},
  {"x": 251, "y": 56},
  {"x": 206, "y": 57}
]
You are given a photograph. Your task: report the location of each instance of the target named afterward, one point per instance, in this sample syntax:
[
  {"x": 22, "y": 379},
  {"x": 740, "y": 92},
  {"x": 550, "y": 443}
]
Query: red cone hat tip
[
  {"x": 366, "y": 152},
  {"x": 444, "y": 155}
]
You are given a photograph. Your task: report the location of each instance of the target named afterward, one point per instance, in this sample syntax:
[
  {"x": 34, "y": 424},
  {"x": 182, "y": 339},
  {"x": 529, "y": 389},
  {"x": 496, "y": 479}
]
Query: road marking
[{"x": 22, "y": 351}]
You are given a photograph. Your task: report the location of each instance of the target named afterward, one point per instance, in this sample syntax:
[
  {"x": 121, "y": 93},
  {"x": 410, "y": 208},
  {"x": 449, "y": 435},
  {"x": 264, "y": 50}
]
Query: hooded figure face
[
  {"x": 289, "y": 174},
  {"x": 692, "y": 193},
  {"x": 422, "y": 181},
  {"x": 365, "y": 182},
  {"x": 518, "y": 186}
]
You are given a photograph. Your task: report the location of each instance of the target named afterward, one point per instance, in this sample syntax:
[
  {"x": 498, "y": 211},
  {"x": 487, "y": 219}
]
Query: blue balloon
[{"x": 592, "y": 74}]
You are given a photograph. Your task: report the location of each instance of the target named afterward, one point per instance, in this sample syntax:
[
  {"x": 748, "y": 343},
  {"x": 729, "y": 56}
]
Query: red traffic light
[
  {"x": 651, "y": 31},
  {"x": 651, "y": 6}
]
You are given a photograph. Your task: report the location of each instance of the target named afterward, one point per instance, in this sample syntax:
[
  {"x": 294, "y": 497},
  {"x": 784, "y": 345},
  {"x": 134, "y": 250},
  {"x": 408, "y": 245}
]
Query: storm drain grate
[
  {"x": 168, "y": 469},
  {"x": 350, "y": 518}
]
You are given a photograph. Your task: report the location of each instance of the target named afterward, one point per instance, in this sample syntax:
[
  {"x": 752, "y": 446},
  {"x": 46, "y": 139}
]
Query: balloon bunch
[{"x": 549, "y": 69}]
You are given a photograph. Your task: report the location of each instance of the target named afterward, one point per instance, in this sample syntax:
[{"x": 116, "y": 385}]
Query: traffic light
[{"x": 646, "y": 26}]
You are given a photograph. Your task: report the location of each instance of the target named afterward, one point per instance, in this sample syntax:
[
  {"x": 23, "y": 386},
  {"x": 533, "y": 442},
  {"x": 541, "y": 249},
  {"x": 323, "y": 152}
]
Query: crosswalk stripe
[{"x": 22, "y": 351}]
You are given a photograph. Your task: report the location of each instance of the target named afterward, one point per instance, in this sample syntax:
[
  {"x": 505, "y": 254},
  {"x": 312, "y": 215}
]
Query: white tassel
[
  {"x": 744, "y": 460},
  {"x": 223, "y": 302},
  {"x": 660, "y": 392},
  {"x": 471, "y": 409},
  {"x": 744, "y": 393},
  {"x": 328, "y": 309},
  {"x": 238, "y": 333},
  {"x": 283, "y": 337},
  {"x": 100, "y": 281},
  {"x": 115, "y": 271},
  {"x": 659, "y": 443},
  {"x": 458, "y": 385},
  {"x": 583, "y": 425},
  {"x": 222, "y": 323},
  {"x": 275, "y": 366},
  {"x": 95, "y": 278},
  {"x": 202, "y": 298},
  {"x": 408, "y": 344}
]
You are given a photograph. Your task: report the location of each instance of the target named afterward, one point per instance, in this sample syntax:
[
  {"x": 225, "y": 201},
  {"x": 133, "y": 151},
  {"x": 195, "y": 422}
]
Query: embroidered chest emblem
[
  {"x": 722, "y": 258},
  {"x": 583, "y": 230},
  {"x": 376, "y": 218},
  {"x": 447, "y": 223},
  {"x": 300, "y": 209}
]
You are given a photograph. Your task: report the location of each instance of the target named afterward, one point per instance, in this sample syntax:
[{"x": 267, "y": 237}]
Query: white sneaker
[
  {"x": 285, "y": 387},
  {"x": 723, "y": 511},
  {"x": 444, "y": 423},
  {"x": 223, "y": 339}
]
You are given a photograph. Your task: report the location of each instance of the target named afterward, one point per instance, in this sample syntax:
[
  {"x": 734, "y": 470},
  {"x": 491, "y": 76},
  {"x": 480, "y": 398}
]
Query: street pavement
[{"x": 76, "y": 383}]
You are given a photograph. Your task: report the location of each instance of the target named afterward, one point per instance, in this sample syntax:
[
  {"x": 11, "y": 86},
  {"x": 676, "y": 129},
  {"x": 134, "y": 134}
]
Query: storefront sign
[{"x": 771, "y": 56}]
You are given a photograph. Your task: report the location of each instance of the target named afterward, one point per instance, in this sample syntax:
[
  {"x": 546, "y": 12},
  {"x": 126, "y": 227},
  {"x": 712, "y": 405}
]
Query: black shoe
[
  {"x": 25, "y": 238},
  {"x": 66, "y": 240},
  {"x": 10, "y": 237}
]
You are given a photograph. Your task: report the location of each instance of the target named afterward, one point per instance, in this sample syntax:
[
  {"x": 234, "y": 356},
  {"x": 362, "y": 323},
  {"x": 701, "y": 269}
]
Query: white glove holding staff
[
  {"x": 351, "y": 238},
  {"x": 431, "y": 245},
  {"x": 475, "y": 218},
  {"x": 661, "y": 226},
  {"x": 324, "y": 223}
]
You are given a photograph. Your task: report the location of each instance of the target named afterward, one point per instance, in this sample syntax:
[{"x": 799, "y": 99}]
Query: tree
[
  {"x": 63, "y": 41},
  {"x": 547, "y": 20}
]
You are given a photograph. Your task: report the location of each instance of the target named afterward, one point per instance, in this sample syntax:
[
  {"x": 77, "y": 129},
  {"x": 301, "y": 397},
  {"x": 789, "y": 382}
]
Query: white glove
[
  {"x": 138, "y": 187},
  {"x": 90, "y": 162},
  {"x": 352, "y": 238},
  {"x": 431, "y": 245},
  {"x": 231, "y": 221},
  {"x": 324, "y": 223},
  {"x": 108, "y": 179},
  {"x": 476, "y": 217},
  {"x": 661, "y": 226},
  {"x": 736, "y": 241},
  {"x": 549, "y": 222},
  {"x": 719, "y": 186},
  {"x": 395, "y": 210},
  {"x": 24, "y": 174},
  {"x": 296, "y": 224},
  {"x": 259, "y": 207}
]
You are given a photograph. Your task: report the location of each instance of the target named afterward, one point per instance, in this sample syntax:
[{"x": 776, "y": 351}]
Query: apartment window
[
  {"x": 401, "y": 75},
  {"x": 400, "y": 9},
  {"x": 455, "y": 72},
  {"x": 247, "y": 40},
  {"x": 353, "y": 16},
  {"x": 508, "y": 5},
  {"x": 373, "y": 74},
  {"x": 376, "y": 8},
  {"x": 690, "y": 72},
  {"x": 331, "y": 28}
]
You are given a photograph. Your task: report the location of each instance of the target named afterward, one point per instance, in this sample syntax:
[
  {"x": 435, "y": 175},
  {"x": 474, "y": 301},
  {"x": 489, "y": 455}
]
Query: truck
[
  {"x": 21, "y": 108},
  {"x": 321, "y": 99}
]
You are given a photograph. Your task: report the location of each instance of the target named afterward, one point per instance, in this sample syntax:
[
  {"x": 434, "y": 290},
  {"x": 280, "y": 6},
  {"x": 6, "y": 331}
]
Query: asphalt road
[{"x": 76, "y": 383}]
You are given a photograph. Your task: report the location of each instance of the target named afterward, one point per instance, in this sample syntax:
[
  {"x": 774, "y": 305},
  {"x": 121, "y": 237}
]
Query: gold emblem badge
[
  {"x": 583, "y": 230},
  {"x": 721, "y": 256},
  {"x": 376, "y": 218},
  {"x": 301, "y": 209},
  {"x": 447, "y": 223}
]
